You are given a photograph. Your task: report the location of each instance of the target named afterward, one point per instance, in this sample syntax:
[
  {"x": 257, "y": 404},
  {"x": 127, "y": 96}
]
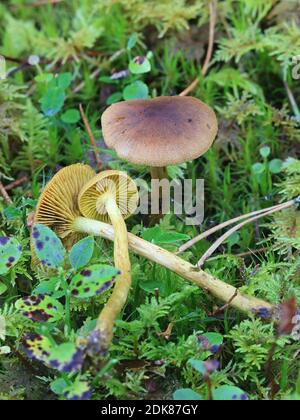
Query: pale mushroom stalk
[
  {"x": 212, "y": 285},
  {"x": 112, "y": 196},
  {"x": 118, "y": 299},
  {"x": 159, "y": 173}
]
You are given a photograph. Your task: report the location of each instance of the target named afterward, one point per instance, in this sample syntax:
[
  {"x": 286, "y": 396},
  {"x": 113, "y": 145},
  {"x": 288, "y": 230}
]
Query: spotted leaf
[
  {"x": 229, "y": 393},
  {"x": 64, "y": 357},
  {"x": 10, "y": 253},
  {"x": 82, "y": 252},
  {"x": 93, "y": 280},
  {"x": 40, "y": 308},
  {"x": 80, "y": 390},
  {"x": 48, "y": 247}
]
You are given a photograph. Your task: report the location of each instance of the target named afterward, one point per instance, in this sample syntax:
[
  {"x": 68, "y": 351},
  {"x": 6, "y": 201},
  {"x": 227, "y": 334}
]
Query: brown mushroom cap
[
  {"x": 159, "y": 132},
  {"x": 116, "y": 183},
  {"x": 58, "y": 204}
]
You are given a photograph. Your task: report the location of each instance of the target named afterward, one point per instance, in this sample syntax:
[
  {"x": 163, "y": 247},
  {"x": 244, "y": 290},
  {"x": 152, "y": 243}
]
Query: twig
[
  {"x": 42, "y": 3},
  {"x": 226, "y": 306},
  {"x": 82, "y": 84},
  {"x": 212, "y": 25},
  {"x": 221, "y": 226},
  {"x": 16, "y": 183},
  {"x": 4, "y": 194},
  {"x": 292, "y": 100},
  {"x": 91, "y": 137},
  {"x": 251, "y": 252},
  {"x": 223, "y": 238}
]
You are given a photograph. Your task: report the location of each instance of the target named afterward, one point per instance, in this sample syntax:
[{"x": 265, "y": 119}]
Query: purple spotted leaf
[
  {"x": 64, "y": 357},
  {"x": 80, "y": 390},
  {"x": 10, "y": 253},
  {"x": 48, "y": 247},
  {"x": 229, "y": 393},
  {"x": 41, "y": 308},
  {"x": 93, "y": 281}
]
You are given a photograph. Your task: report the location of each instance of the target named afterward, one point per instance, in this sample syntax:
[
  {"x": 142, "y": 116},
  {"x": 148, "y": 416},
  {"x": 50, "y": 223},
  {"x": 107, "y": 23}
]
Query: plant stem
[{"x": 212, "y": 285}]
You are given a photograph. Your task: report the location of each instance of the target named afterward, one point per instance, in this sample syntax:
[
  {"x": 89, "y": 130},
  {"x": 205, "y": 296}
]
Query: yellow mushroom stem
[
  {"x": 118, "y": 298},
  {"x": 223, "y": 291}
]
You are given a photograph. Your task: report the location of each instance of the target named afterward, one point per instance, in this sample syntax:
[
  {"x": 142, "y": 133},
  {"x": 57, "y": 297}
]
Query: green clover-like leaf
[{"x": 82, "y": 252}]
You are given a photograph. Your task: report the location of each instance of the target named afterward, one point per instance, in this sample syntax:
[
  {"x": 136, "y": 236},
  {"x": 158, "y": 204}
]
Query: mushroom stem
[
  {"x": 216, "y": 287},
  {"x": 159, "y": 173},
  {"x": 118, "y": 298}
]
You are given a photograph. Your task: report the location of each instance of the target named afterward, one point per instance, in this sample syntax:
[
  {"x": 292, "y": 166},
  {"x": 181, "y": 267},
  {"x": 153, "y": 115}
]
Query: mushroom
[
  {"x": 57, "y": 206},
  {"x": 158, "y": 132},
  {"x": 112, "y": 196}
]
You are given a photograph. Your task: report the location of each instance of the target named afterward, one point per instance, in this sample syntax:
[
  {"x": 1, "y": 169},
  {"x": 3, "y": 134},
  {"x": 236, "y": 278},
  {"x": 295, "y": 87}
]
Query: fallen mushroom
[
  {"x": 158, "y": 132},
  {"x": 57, "y": 206},
  {"x": 112, "y": 196},
  {"x": 212, "y": 285}
]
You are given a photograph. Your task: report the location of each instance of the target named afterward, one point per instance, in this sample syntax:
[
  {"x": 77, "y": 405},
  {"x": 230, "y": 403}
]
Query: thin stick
[
  {"x": 221, "y": 226},
  {"x": 292, "y": 100},
  {"x": 212, "y": 285},
  {"x": 212, "y": 25},
  {"x": 16, "y": 183},
  {"x": 91, "y": 137},
  {"x": 223, "y": 238},
  {"x": 227, "y": 305},
  {"x": 4, "y": 194}
]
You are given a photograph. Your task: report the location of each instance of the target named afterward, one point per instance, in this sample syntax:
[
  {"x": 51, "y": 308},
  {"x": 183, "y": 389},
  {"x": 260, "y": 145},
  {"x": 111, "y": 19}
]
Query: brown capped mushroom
[
  {"x": 158, "y": 132},
  {"x": 112, "y": 196}
]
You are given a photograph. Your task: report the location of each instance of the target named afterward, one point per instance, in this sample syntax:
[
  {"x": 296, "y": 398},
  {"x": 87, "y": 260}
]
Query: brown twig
[
  {"x": 91, "y": 137},
  {"x": 4, "y": 194},
  {"x": 212, "y": 25},
  {"x": 16, "y": 183},
  {"x": 251, "y": 252},
  {"x": 226, "y": 306}
]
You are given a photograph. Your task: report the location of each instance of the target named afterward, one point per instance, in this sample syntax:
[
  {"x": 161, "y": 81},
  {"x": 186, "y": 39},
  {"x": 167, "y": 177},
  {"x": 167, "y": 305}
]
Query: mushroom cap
[
  {"x": 117, "y": 183},
  {"x": 158, "y": 132},
  {"x": 58, "y": 204}
]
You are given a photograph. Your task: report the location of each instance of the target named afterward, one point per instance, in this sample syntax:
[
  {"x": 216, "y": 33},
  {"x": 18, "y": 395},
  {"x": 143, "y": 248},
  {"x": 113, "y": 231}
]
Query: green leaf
[
  {"x": 258, "y": 168},
  {"x": 136, "y": 90},
  {"x": 80, "y": 390},
  {"x": 215, "y": 339},
  {"x": 49, "y": 287},
  {"x": 48, "y": 247},
  {"x": 72, "y": 116},
  {"x": 139, "y": 65},
  {"x": 233, "y": 239},
  {"x": 115, "y": 97},
  {"x": 44, "y": 78},
  {"x": 92, "y": 281},
  {"x": 276, "y": 166},
  {"x": 40, "y": 308},
  {"x": 198, "y": 365},
  {"x": 186, "y": 394},
  {"x": 82, "y": 252},
  {"x": 265, "y": 152},
  {"x": 58, "y": 386},
  {"x": 53, "y": 101},
  {"x": 12, "y": 213},
  {"x": 64, "y": 80},
  {"x": 10, "y": 253},
  {"x": 132, "y": 41},
  {"x": 158, "y": 236},
  {"x": 3, "y": 288},
  {"x": 229, "y": 393}
]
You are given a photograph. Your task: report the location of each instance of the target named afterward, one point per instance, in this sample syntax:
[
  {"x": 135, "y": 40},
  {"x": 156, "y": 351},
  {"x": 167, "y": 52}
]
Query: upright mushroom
[
  {"x": 112, "y": 196},
  {"x": 158, "y": 132}
]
